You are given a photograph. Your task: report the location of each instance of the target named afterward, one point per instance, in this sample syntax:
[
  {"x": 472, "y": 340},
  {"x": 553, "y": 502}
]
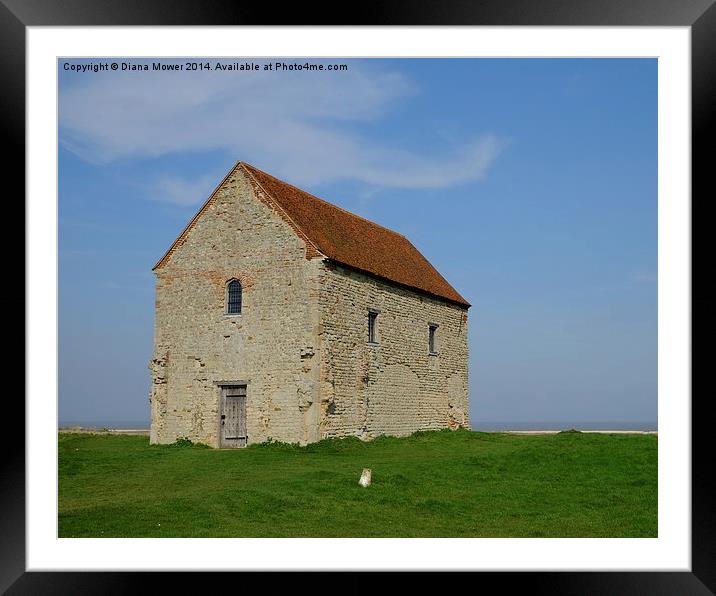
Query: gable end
[{"x": 261, "y": 194}]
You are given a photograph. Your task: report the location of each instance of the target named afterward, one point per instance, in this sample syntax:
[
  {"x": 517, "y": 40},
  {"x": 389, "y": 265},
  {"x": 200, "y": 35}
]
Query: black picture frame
[{"x": 700, "y": 15}]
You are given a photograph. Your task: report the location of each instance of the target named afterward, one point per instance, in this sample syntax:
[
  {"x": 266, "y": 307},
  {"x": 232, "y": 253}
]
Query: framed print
[{"x": 144, "y": 101}]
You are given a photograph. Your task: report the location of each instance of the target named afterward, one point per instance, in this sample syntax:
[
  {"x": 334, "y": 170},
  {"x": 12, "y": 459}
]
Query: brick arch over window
[{"x": 234, "y": 296}]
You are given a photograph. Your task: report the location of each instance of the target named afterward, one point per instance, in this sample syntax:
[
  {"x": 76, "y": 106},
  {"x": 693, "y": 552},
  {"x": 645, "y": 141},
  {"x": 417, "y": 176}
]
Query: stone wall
[
  {"x": 272, "y": 345},
  {"x": 396, "y": 386}
]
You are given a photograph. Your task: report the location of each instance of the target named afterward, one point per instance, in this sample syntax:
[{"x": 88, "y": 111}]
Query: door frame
[{"x": 220, "y": 391}]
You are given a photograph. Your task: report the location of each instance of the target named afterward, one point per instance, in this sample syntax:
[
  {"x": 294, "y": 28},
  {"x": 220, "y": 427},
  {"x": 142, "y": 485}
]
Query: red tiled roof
[
  {"x": 349, "y": 239},
  {"x": 354, "y": 241}
]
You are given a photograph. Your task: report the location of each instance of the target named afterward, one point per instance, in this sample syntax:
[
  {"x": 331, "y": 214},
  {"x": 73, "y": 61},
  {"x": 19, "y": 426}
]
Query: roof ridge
[
  {"x": 370, "y": 221},
  {"x": 286, "y": 194},
  {"x": 247, "y": 167},
  {"x": 334, "y": 233}
]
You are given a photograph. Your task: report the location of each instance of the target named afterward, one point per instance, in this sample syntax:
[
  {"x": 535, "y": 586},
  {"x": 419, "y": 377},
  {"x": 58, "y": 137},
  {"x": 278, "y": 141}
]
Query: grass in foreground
[{"x": 431, "y": 484}]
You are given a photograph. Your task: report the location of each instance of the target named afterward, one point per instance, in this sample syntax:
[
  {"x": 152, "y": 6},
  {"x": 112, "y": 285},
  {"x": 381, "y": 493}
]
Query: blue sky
[{"x": 530, "y": 184}]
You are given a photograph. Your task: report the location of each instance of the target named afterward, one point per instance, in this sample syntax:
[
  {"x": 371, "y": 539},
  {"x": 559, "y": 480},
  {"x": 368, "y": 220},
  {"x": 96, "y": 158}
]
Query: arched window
[{"x": 233, "y": 297}]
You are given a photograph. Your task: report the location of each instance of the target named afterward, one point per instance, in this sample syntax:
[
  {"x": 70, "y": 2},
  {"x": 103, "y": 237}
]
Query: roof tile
[{"x": 355, "y": 241}]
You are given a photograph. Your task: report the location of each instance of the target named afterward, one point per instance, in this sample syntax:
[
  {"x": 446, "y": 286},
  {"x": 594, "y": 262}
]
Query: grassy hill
[{"x": 431, "y": 484}]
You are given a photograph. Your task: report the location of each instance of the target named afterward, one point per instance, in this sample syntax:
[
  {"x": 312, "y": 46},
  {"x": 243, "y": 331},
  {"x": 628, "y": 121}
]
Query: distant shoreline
[
  {"x": 103, "y": 430},
  {"x": 554, "y": 432},
  {"x": 145, "y": 431}
]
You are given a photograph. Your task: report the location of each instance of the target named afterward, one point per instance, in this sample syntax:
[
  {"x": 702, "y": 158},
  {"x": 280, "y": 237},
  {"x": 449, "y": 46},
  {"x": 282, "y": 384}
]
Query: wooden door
[{"x": 233, "y": 416}]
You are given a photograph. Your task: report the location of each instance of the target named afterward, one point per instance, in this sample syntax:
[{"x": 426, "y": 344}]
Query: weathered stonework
[
  {"x": 300, "y": 342},
  {"x": 395, "y": 386}
]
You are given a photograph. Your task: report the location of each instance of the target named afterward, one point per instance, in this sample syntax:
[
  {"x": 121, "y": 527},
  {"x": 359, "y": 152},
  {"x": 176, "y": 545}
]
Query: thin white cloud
[
  {"x": 172, "y": 189},
  {"x": 301, "y": 125}
]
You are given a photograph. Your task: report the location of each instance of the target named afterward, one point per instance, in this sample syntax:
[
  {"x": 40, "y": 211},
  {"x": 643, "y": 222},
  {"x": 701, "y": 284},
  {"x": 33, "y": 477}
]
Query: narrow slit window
[
  {"x": 372, "y": 322},
  {"x": 233, "y": 297},
  {"x": 432, "y": 329}
]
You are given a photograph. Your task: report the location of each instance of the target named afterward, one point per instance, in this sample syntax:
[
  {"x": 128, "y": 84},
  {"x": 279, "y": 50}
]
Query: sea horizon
[{"x": 485, "y": 426}]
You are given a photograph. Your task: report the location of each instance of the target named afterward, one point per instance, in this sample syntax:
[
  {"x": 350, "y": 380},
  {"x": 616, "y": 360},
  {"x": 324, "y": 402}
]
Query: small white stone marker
[{"x": 365, "y": 477}]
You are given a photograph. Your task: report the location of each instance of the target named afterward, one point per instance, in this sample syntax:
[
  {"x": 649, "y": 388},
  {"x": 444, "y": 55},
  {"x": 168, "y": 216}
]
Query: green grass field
[{"x": 439, "y": 484}]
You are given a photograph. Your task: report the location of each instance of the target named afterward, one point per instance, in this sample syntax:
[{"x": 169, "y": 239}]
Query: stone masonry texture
[{"x": 300, "y": 344}]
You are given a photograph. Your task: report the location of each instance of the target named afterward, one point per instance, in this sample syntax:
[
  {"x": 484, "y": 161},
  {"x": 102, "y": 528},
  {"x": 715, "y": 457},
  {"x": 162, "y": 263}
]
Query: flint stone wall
[{"x": 395, "y": 386}]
